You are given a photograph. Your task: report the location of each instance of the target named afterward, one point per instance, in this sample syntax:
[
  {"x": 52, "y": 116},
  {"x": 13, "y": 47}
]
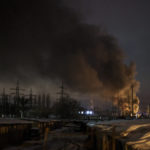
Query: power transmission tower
[
  {"x": 17, "y": 95},
  {"x": 43, "y": 100},
  {"x": 62, "y": 92},
  {"x": 4, "y": 100},
  {"x": 48, "y": 101},
  {"x": 31, "y": 98},
  {"x": 39, "y": 101}
]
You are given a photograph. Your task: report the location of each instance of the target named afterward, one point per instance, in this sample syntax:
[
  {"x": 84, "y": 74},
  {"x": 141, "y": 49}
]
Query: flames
[
  {"x": 124, "y": 102},
  {"x": 125, "y": 106}
]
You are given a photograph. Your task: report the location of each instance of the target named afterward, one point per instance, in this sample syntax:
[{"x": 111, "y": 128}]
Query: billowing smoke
[{"x": 46, "y": 40}]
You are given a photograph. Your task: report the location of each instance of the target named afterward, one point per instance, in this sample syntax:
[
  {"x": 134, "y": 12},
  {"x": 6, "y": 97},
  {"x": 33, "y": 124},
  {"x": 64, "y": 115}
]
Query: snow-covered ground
[
  {"x": 61, "y": 139},
  {"x": 133, "y": 132}
]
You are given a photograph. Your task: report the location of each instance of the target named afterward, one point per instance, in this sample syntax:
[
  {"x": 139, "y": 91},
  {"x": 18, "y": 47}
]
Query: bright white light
[
  {"x": 82, "y": 112},
  {"x": 87, "y": 112},
  {"x": 91, "y": 112}
]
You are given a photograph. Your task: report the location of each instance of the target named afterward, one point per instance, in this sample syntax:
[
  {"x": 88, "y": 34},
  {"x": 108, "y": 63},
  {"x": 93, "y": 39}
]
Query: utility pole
[
  {"x": 118, "y": 105},
  {"x": 148, "y": 110},
  {"x": 132, "y": 90},
  {"x": 129, "y": 102}
]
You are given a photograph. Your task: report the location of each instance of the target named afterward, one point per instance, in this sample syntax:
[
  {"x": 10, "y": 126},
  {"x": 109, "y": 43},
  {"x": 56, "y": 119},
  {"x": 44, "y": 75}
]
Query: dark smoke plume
[{"x": 46, "y": 40}]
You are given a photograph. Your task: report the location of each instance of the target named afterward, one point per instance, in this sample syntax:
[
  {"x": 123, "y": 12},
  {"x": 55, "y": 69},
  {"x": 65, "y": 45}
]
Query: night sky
[
  {"x": 44, "y": 41},
  {"x": 129, "y": 22}
]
